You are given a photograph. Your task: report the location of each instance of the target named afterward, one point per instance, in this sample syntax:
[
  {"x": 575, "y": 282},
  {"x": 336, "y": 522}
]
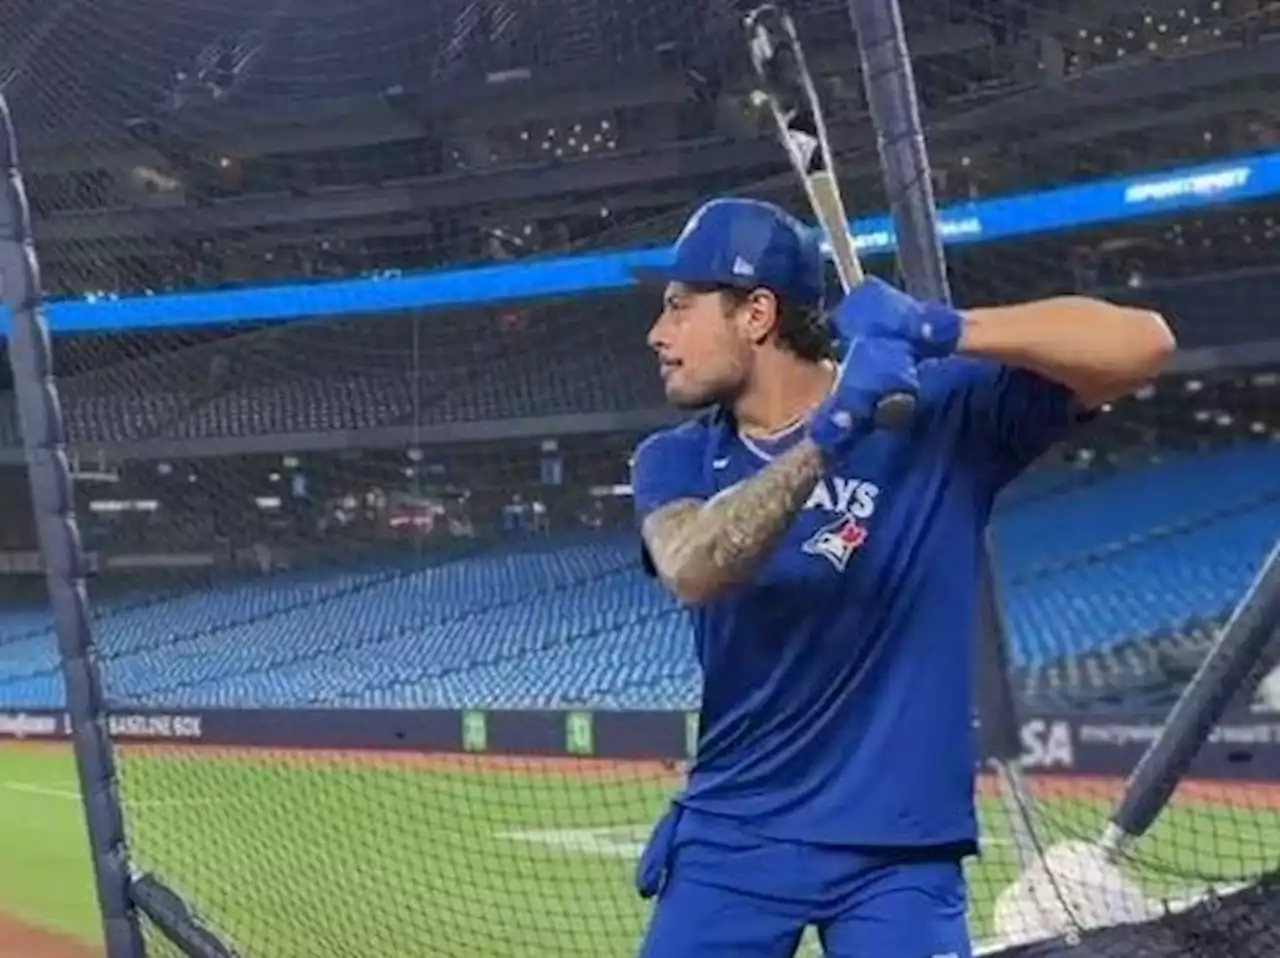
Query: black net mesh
[
  {"x": 1119, "y": 558},
  {"x": 363, "y": 569},
  {"x": 359, "y": 503},
  {"x": 1238, "y": 922},
  {"x": 1122, "y": 553}
]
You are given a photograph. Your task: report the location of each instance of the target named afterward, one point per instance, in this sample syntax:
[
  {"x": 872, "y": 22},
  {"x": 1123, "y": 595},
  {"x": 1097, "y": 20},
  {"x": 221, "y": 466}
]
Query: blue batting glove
[
  {"x": 877, "y": 310},
  {"x": 872, "y": 369}
]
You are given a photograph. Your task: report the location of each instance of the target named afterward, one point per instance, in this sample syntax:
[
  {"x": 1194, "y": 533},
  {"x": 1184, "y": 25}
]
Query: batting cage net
[{"x": 351, "y": 369}]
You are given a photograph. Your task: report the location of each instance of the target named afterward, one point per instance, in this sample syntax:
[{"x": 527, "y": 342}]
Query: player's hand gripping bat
[{"x": 786, "y": 87}]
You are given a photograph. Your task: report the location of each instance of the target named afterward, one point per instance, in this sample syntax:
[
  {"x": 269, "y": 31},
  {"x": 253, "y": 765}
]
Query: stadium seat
[{"x": 1105, "y": 581}]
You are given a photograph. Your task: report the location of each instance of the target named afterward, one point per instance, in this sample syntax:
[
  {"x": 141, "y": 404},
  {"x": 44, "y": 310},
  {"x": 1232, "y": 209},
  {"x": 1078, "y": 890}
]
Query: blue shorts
[{"x": 722, "y": 892}]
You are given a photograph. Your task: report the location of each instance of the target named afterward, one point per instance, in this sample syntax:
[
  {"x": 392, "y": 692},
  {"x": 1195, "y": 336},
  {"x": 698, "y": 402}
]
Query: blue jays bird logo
[{"x": 837, "y": 541}]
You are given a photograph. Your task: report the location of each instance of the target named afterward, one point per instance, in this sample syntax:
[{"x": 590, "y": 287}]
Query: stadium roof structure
[{"x": 273, "y": 87}]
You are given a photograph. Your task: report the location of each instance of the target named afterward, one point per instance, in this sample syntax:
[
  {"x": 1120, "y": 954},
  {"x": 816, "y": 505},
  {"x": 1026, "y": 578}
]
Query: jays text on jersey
[{"x": 836, "y": 700}]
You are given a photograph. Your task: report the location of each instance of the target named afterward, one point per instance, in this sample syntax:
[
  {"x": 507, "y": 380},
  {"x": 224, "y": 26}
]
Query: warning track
[
  {"x": 1102, "y": 789},
  {"x": 20, "y": 939}
]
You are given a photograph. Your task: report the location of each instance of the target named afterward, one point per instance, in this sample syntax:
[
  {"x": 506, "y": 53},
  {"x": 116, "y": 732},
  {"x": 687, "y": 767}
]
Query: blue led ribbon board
[{"x": 1228, "y": 180}]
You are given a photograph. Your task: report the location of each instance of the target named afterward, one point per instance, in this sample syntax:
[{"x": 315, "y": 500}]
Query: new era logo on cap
[{"x": 742, "y": 268}]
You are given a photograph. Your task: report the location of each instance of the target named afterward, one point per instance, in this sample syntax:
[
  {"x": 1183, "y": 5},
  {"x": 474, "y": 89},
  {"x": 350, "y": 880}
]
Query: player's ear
[{"x": 758, "y": 315}]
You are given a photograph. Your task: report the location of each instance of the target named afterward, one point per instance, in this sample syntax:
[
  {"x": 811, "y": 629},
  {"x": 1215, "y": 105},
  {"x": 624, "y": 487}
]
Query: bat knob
[{"x": 895, "y": 411}]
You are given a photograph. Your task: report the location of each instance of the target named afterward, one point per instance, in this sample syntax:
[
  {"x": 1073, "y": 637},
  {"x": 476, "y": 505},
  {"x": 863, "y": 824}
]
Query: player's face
[{"x": 703, "y": 355}]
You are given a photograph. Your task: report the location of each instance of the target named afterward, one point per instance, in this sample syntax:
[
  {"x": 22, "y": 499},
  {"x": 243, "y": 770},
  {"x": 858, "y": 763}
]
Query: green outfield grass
[{"x": 451, "y": 855}]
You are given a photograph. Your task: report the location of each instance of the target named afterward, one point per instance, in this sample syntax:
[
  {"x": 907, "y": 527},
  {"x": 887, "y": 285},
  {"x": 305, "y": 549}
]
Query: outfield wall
[{"x": 1244, "y": 746}]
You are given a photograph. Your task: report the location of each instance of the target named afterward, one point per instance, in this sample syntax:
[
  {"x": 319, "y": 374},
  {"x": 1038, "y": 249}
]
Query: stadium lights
[{"x": 123, "y": 505}]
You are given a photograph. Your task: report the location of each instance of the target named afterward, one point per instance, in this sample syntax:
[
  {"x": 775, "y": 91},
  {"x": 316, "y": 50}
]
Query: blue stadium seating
[
  {"x": 389, "y": 371},
  {"x": 1086, "y": 567}
]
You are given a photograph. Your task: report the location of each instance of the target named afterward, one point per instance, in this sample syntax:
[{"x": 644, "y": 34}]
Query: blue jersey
[{"x": 837, "y": 706}]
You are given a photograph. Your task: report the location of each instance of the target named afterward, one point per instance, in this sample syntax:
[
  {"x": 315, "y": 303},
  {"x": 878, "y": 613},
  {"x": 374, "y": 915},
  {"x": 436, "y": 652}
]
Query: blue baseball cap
[{"x": 747, "y": 244}]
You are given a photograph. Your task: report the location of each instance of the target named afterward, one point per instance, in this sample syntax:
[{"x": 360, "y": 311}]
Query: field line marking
[
  {"x": 71, "y": 793},
  {"x": 48, "y": 791},
  {"x": 620, "y": 841}
]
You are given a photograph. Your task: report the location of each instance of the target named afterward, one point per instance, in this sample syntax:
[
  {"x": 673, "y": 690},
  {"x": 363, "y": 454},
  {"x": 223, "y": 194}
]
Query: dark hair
[{"x": 801, "y": 329}]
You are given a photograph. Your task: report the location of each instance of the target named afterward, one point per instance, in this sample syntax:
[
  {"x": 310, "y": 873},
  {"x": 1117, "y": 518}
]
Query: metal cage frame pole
[
  {"x": 904, "y": 162},
  {"x": 49, "y": 478}
]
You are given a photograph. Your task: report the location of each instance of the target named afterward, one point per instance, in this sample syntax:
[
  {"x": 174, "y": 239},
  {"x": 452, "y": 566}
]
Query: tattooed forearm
[{"x": 702, "y": 548}]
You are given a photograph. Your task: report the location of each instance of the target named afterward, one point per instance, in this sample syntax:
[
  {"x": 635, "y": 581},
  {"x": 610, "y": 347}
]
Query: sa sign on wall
[{"x": 1047, "y": 744}]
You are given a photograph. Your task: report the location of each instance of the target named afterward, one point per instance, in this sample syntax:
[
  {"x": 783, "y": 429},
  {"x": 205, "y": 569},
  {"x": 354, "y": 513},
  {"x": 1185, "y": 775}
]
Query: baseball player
[{"x": 830, "y": 568}]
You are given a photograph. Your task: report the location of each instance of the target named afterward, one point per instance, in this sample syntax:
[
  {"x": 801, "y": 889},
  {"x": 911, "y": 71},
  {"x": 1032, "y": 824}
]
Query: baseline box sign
[
  {"x": 1245, "y": 746},
  {"x": 157, "y": 726}
]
